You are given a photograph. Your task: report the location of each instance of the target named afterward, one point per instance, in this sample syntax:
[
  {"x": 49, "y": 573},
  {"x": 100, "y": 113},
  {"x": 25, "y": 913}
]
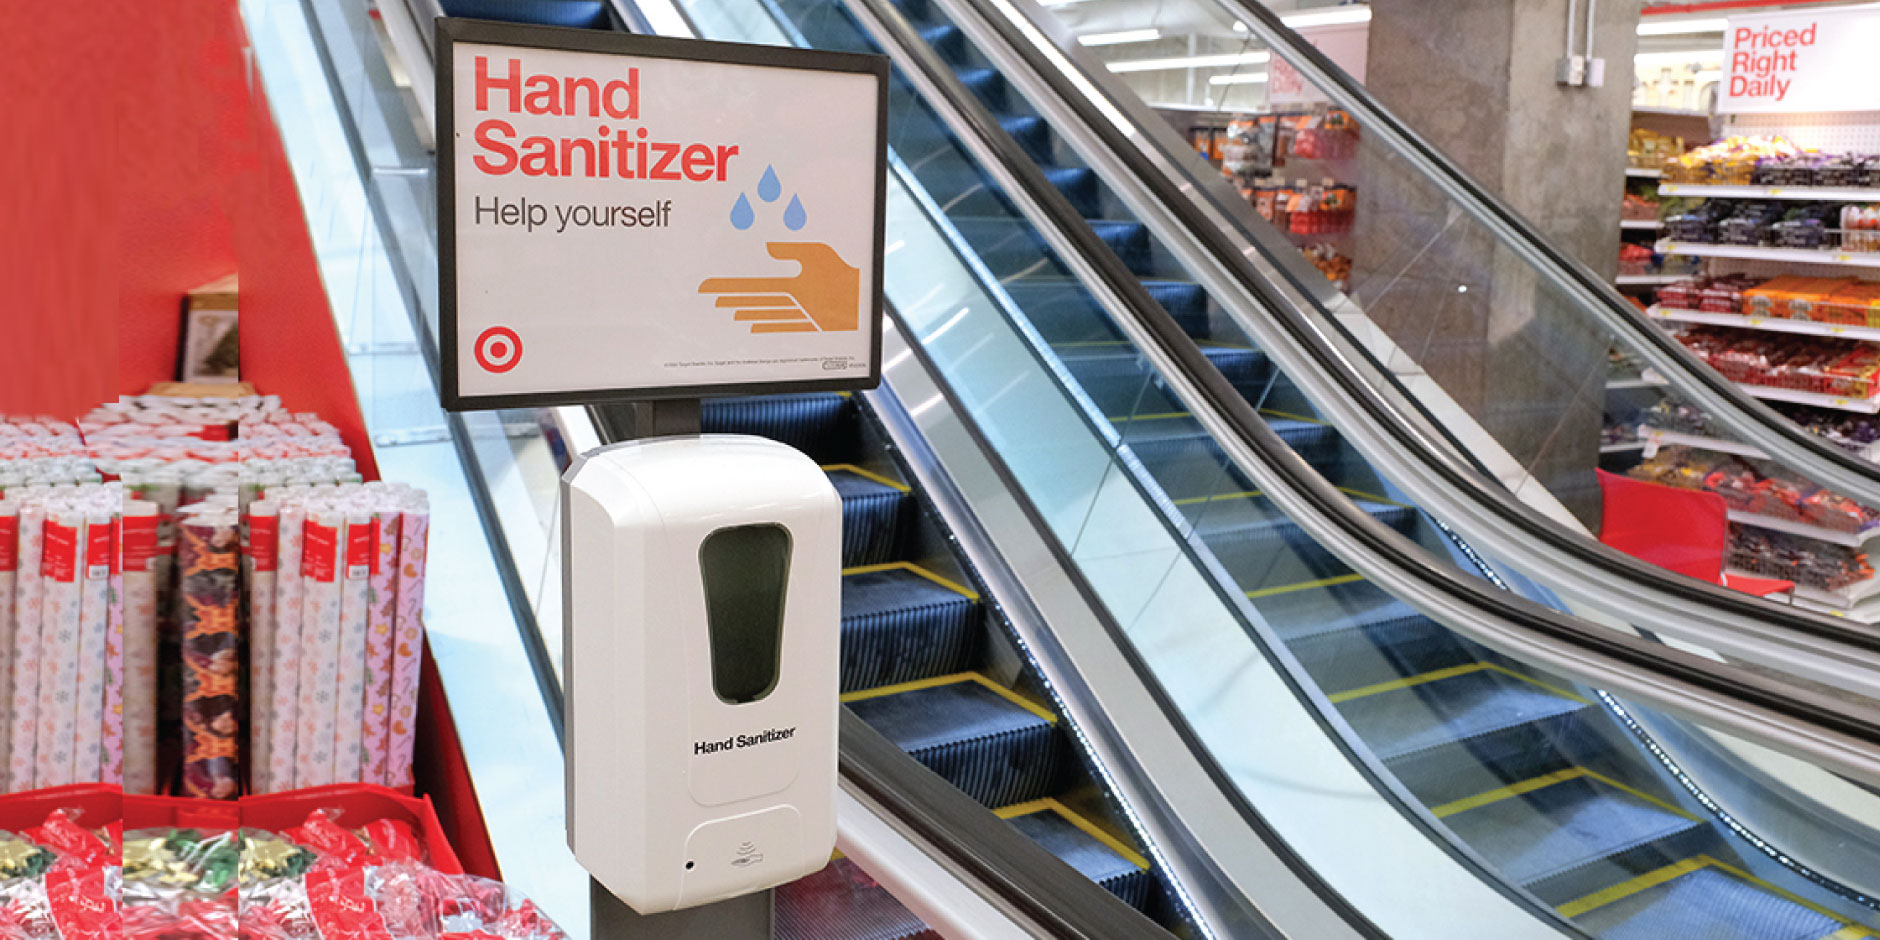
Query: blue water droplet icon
[
  {"x": 794, "y": 217},
  {"x": 769, "y": 188},
  {"x": 741, "y": 214}
]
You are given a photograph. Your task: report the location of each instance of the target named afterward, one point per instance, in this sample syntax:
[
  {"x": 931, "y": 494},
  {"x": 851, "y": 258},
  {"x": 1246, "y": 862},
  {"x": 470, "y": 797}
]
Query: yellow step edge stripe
[
  {"x": 954, "y": 679},
  {"x": 909, "y": 566},
  {"x": 1652, "y": 879},
  {"x": 1542, "y": 782},
  {"x": 1304, "y": 586},
  {"x": 1050, "y": 804},
  {"x": 1165, "y": 415},
  {"x": 1407, "y": 682},
  {"x": 866, "y": 475},
  {"x": 1450, "y": 673},
  {"x": 1501, "y": 793},
  {"x": 1632, "y": 886}
]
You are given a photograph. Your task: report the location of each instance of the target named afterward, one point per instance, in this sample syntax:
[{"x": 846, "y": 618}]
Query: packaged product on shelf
[
  {"x": 282, "y": 717},
  {"x": 1756, "y": 488},
  {"x": 1860, "y": 228},
  {"x": 1793, "y": 296},
  {"x": 208, "y": 590},
  {"x": 1637, "y": 208},
  {"x": 1649, "y": 150},
  {"x": 139, "y": 548},
  {"x": 1636, "y": 259},
  {"x": 181, "y": 884},
  {"x": 1731, "y": 161},
  {"x": 409, "y": 639},
  {"x": 320, "y": 879},
  {"x": 57, "y": 883},
  {"x": 1808, "y": 562},
  {"x": 320, "y": 618},
  {"x": 28, "y": 606}
]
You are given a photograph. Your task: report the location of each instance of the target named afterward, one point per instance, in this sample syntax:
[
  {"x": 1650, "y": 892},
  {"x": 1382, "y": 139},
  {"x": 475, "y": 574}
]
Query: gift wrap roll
[
  {"x": 320, "y": 617},
  {"x": 28, "y": 616},
  {"x": 208, "y": 576},
  {"x": 61, "y": 570},
  {"x": 94, "y": 635},
  {"x": 284, "y": 683},
  {"x": 139, "y": 546},
  {"x": 409, "y": 641}
]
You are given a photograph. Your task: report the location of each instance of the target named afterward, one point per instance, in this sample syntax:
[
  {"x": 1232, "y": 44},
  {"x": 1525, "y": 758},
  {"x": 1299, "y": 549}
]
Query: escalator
[
  {"x": 1542, "y": 783},
  {"x": 1534, "y": 775}
]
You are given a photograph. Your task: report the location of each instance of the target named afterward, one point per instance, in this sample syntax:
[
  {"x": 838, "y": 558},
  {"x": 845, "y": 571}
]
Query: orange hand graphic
[{"x": 822, "y": 296}]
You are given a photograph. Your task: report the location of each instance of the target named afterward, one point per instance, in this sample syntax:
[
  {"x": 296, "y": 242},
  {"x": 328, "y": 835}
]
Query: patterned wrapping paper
[
  {"x": 163, "y": 487},
  {"x": 378, "y": 703},
  {"x": 208, "y": 573},
  {"x": 409, "y": 641},
  {"x": 284, "y": 685},
  {"x": 139, "y": 689},
  {"x": 319, "y": 648},
  {"x": 112, "y": 759},
  {"x": 9, "y": 564},
  {"x": 94, "y": 634},
  {"x": 264, "y": 556},
  {"x": 28, "y": 614},
  {"x": 61, "y": 569},
  {"x": 360, "y": 546}
]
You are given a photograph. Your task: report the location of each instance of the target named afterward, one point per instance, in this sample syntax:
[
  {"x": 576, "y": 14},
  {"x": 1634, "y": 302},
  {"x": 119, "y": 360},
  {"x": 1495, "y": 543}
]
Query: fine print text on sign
[
  {"x": 635, "y": 217},
  {"x": 1811, "y": 61}
]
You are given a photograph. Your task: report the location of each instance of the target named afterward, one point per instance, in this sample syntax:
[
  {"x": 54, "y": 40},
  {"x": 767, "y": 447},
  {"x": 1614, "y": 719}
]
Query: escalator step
[
  {"x": 1262, "y": 546},
  {"x": 1700, "y": 900},
  {"x": 946, "y": 40},
  {"x": 983, "y": 740},
  {"x": 1130, "y": 241},
  {"x": 1122, "y": 383},
  {"x": 987, "y": 85},
  {"x": 1117, "y": 868},
  {"x": 871, "y": 515},
  {"x": 1452, "y": 735},
  {"x": 816, "y": 424},
  {"x": 578, "y": 14},
  {"x": 1078, "y": 184},
  {"x": 1570, "y": 838},
  {"x": 1063, "y": 312},
  {"x": 844, "y": 902},
  {"x": 900, "y": 625},
  {"x": 1353, "y": 634},
  {"x": 1186, "y": 302},
  {"x": 1190, "y": 465},
  {"x": 1031, "y": 133}
]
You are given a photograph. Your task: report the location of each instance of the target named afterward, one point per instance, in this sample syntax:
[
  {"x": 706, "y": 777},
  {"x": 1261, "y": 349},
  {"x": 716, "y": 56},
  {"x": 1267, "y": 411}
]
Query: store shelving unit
[
  {"x": 1768, "y": 324},
  {"x": 1639, "y": 172},
  {"x": 1863, "y": 259},
  {"x": 1650, "y": 280},
  {"x": 1800, "y": 193},
  {"x": 1640, "y": 225}
]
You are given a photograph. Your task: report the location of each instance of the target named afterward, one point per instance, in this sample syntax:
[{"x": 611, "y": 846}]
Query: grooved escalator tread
[
  {"x": 1551, "y": 831},
  {"x": 843, "y": 901},
  {"x": 813, "y": 423},
  {"x": 1405, "y": 721},
  {"x": 1090, "y": 856},
  {"x": 899, "y": 625},
  {"x": 1705, "y": 903},
  {"x": 871, "y": 516},
  {"x": 993, "y": 748}
]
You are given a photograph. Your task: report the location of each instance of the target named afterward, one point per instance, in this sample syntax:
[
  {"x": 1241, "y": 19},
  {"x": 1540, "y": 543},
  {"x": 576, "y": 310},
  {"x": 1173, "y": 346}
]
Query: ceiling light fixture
[
  {"x": 1336, "y": 16},
  {"x": 1245, "y": 78},
  {"x": 1681, "y": 27},
  {"x": 1191, "y": 62},
  {"x": 1119, "y": 37}
]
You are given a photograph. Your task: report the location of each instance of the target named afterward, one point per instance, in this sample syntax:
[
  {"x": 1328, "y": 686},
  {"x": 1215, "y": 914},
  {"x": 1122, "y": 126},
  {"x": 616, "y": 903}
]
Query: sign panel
[
  {"x": 1346, "y": 44},
  {"x": 1808, "y": 61},
  {"x": 634, "y": 217}
]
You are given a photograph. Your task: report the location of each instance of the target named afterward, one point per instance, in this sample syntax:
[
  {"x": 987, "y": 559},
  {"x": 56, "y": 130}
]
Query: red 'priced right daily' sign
[{"x": 1817, "y": 60}]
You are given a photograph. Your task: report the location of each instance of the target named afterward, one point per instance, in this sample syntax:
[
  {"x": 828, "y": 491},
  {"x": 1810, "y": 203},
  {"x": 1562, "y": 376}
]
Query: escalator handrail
[
  {"x": 1743, "y": 413},
  {"x": 1824, "y": 729},
  {"x": 1451, "y": 469}
]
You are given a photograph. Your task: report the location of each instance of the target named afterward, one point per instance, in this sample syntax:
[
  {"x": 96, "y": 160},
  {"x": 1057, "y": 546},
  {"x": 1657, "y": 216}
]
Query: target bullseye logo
[{"x": 498, "y": 349}]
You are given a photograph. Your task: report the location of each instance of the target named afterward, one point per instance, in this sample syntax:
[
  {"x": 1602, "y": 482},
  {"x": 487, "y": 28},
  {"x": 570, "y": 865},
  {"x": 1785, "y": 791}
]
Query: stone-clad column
[{"x": 1477, "y": 79}]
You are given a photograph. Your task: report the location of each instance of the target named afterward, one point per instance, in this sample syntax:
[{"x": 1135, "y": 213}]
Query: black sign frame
[{"x": 452, "y": 30}]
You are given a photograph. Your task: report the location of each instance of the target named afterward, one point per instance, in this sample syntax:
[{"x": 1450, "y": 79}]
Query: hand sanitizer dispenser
[{"x": 701, "y": 617}]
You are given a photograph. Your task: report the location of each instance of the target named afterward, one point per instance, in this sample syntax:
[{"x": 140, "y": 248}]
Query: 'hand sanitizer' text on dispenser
[{"x": 702, "y": 614}]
